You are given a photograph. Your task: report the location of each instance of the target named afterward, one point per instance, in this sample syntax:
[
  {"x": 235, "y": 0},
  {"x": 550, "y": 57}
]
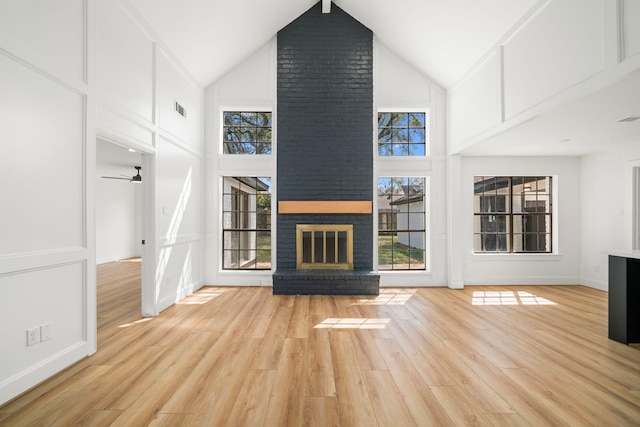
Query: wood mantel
[{"x": 325, "y": 207}]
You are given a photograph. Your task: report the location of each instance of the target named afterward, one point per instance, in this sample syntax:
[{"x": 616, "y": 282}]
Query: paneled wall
[
  {"x": 564, "y": 50},
  {"x": 250, "y": 86},
  {"x": 69, "y": 70},
  {"x": 138, "y": 86},
  {"x": 47, "y": 259},
  {"x": 400, "y": 87}
]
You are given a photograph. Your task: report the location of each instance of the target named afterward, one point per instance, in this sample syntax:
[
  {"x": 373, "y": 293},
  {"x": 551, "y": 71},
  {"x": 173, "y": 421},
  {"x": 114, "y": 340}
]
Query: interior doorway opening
[{"x": 123, "y": 182}]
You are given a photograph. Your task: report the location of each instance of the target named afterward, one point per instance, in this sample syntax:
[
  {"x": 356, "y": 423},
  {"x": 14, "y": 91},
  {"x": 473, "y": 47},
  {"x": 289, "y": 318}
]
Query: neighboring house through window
[
  {"x": 401, "y": 224},
  {"x": 512, "y": 214},
  {"x": 246, "y": 223}
]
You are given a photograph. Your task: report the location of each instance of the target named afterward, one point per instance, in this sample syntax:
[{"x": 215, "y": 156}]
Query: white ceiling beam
[{"x": 326, "y": 6}]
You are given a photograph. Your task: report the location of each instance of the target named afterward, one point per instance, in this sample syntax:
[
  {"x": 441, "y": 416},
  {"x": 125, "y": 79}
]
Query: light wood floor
[{"x": 493, "y": 356}]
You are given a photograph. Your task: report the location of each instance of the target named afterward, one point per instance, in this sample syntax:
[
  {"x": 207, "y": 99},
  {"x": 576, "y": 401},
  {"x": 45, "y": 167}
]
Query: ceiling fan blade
[{"x": 116, "y": 177}]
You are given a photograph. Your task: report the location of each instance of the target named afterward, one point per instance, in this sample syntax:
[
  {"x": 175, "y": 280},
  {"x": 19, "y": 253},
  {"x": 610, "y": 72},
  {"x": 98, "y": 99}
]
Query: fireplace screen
[{"x": 324, "y": 246}]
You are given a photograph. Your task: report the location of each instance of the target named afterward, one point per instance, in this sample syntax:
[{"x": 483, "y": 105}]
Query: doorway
[{"x": 123, "y": 183}]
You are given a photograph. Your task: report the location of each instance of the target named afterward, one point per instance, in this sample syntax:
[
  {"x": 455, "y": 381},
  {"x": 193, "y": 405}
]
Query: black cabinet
[{"x": 624, "y": 299}]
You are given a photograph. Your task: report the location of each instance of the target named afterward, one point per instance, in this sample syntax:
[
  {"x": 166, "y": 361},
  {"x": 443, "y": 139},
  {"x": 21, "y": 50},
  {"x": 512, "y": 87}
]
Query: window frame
[
  {"x": 409, "y": 214},
  {"x": 240, "y": 126},
  {"x": 513, "y": 216},
  {"x": 238, "y": 222},
  {"x": 427, "y": 133}
]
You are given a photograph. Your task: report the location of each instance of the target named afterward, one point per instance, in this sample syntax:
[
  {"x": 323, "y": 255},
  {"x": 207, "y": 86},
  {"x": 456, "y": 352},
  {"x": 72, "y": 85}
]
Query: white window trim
[
  {"x": 429, "y": 134},
  {"x": 555, "y": 255}
]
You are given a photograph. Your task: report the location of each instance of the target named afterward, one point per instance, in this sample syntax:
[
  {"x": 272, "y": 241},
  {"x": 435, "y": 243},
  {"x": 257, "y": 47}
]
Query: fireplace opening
[{"x": 324, "y": 246}]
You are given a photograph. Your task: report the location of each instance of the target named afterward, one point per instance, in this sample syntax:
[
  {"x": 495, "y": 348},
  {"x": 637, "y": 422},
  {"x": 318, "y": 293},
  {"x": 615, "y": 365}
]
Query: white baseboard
[{"x": 34, "y": 375}]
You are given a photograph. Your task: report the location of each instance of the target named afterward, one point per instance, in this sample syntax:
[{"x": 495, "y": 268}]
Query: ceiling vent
[
  {"x": 629, "y": 119},
  {"x": 180, "y": 109}
]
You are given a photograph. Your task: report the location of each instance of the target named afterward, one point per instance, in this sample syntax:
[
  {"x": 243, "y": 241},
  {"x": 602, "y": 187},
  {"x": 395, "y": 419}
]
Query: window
[
  {"x": 401, "y": 224},
  {"x": 402, "y": 134},
  {"x": 512, "y": 214},
  {"x": 247, "y": 132},
  {"x": 246, "y": 223}
]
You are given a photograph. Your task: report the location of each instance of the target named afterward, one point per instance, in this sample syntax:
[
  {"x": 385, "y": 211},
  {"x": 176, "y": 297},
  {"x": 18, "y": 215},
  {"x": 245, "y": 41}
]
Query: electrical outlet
[
  {"x": 46, "y": 332},
  {"x": 33, "y": 336}
]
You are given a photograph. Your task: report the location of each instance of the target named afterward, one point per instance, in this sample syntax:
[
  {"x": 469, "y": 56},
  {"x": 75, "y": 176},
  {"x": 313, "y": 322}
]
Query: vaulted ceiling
[{"x": 441, "y": 38}]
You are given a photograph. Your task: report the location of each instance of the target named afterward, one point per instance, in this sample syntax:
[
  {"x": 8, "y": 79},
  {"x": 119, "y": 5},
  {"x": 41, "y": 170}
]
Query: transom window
[
  {"x": 247, "y": 132},
  {"x": 401, "y": 224},
  {"x": 402, "y": 134},
  {"x": 512, "y": 214},
  {"x": 246, "y": 241}
]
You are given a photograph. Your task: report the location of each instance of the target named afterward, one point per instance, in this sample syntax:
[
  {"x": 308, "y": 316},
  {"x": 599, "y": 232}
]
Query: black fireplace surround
[{"x": 325, "y": 143}]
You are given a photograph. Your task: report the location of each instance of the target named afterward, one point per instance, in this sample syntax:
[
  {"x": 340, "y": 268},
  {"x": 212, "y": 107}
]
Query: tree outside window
[
  {"x": 402, "y": 134},
  {"x": 247, "y": 132}
]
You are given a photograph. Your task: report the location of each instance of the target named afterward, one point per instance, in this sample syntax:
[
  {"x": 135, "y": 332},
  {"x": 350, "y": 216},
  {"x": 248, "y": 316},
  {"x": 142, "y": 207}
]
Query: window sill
[{"x": 517, "y": 257}]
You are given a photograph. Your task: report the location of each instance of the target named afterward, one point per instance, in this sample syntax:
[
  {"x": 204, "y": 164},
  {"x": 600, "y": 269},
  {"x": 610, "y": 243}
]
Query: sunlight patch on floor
[
  {"x": 353, "y": 323},
  {"x": 508, "y": 298},
  {"x": 202, "y": 296},
  {"x": 135, "y": 259},
  {"x": 388, "y": 297},
  {"x": 137, "y": 322}
]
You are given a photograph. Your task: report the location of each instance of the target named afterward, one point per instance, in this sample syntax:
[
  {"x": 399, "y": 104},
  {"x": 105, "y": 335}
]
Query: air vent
[
  {"x": 181, "y": 110},
  {"x": 629, "y": 119}
]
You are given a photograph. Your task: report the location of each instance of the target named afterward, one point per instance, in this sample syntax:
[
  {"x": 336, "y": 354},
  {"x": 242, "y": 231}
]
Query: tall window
[
  {"x": 402, "y": 134},
  {"x": 246, "y": 223},
  {"x": 512, "y": 214},
  {"x": 401, "y": 224},
  {"x": 247, "y": 132}
]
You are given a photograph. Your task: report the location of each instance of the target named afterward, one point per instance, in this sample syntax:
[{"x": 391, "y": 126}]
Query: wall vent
[{"x": 180, "y": 109}]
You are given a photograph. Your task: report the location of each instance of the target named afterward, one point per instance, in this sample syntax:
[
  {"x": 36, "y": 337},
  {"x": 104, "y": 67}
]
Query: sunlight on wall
[
  {"x": 172, "y": 232},
  {"x": 353, "y": 323},
  {"x": 388, "y": 297},
  {"x": 508, "y": 298},
  {"x": 185, "y": 282}
]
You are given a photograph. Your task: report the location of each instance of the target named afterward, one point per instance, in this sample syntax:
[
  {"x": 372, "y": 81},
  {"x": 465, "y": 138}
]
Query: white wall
[
  {"x": 251, "y": 85},
  {"x": 69, "y": 70},
  {"x": 561, "y": 267},
  {"x": 47, "y": 258},
  {"x": 400, "y": 87},
  {"x": 566, "y": 49},
  {"x": 605, "y": 205},
  {"x": 117, "y": 215},
  {"x": 138, "y": 83}
]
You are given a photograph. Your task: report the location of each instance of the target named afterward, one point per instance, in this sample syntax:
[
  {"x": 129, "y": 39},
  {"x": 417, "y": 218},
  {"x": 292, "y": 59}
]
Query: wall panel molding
[
  {"x": 20, "y": 263},
  {"x": 628, "y": 28}
]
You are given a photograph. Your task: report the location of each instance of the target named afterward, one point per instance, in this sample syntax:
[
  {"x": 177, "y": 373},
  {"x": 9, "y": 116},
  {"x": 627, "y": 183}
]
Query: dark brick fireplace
[{"x": 325, "y": 144}]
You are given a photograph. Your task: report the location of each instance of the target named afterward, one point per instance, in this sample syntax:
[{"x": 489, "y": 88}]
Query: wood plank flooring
[{"x": 489, "y": 356}]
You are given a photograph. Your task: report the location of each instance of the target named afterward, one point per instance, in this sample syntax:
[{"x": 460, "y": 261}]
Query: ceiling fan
[{"x": 136, "y": 179}]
